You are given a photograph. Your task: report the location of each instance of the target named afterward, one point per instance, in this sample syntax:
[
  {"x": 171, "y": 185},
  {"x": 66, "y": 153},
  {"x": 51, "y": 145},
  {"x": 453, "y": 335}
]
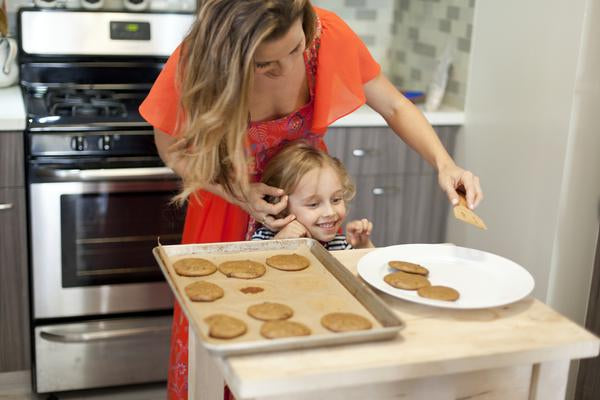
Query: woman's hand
[
  {"x": 358, "y": 233},
  {"x": 453, "y": 177},
  {"x": 263, "y": 211},
  {"x": 293, "y": 230}
]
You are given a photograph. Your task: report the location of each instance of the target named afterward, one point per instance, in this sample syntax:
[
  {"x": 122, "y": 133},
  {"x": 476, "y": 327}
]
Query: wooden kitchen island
[{"x": 519, "y": 351}]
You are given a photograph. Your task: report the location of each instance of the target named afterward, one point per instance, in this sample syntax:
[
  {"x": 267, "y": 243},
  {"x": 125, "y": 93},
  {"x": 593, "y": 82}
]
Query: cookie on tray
[
  {"x": 409, "y": 267},
  {"x": 288, "y": 262},
  {"x": 345, "y": 322},
  {"x": 242, "y": 269},
  {"x": 282, "y": 329},
  {"x": 194, "y": 267},
  {"x": 270, "y": 311},
  {"x": 223, "y": 326},
  {"x": 406, "y": 281},
  {"x": 204, "y": 291},
  {"x": 439, "y": 292}
]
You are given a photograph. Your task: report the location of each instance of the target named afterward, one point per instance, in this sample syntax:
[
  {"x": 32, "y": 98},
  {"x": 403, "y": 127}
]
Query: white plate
[{"x": 482, "y": 279}]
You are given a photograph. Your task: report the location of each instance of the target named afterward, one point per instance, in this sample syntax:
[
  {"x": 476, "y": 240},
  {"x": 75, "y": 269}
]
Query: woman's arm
[
  {"x": 407, "y": 121},
  {"x": 168, "y": 148}
]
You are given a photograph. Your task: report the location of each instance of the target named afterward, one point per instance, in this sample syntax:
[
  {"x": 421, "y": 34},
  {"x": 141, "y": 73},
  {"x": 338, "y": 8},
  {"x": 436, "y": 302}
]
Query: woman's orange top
[{"x": 344, "y": 65}]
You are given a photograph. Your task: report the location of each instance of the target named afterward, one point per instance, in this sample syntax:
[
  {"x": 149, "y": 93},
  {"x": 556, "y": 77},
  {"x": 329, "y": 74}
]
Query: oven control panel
[{"x": 129, "y": 143}]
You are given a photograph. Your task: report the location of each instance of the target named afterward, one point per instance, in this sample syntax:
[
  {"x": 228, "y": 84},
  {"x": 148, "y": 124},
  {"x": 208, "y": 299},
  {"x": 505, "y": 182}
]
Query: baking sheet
[{"x": 325, "y": 286}]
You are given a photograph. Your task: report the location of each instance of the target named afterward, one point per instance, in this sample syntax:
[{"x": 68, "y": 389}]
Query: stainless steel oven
[{"x": 99, "y": 197}]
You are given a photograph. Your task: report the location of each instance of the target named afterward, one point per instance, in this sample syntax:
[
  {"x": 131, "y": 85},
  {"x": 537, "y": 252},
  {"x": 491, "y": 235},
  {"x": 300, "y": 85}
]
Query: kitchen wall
[
  {"x": 408, "y": 36},
  {"x": 531, "y": 134}
]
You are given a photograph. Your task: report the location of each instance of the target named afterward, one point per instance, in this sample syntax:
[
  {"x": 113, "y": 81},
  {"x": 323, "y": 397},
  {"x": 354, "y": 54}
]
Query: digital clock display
[{"x": 129, "y": 30}]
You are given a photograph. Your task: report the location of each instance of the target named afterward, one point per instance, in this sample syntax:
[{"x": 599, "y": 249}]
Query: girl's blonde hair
[
  {"x": 215, "y": 76},
  {"x": 295, "y": 160}
]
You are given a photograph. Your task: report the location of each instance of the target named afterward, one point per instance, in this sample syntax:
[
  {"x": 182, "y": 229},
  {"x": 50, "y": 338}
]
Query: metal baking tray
[{"x": 325, "y": 286}]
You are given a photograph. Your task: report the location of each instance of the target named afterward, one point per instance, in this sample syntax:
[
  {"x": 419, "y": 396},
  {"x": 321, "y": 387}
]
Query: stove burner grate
[{"x": 85, "y": 103}]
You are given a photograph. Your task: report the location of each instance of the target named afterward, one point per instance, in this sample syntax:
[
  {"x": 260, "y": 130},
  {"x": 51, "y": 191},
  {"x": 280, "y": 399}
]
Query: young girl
[{"x": 318, "y": 189}]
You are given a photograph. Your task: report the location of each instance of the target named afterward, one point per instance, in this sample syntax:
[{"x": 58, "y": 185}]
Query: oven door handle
[
  {"x": 82, "y": 337},
  {"x": 107, "y": 173}
]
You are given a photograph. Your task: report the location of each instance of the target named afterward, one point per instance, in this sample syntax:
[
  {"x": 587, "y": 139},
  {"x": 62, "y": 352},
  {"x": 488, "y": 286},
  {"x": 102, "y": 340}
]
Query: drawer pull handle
[
  {"x": 81, "y": 337},
  {"x": 380, "y": 191},
  {"x": 6, "y": 206},
  {"x": 362, "y": 152}
]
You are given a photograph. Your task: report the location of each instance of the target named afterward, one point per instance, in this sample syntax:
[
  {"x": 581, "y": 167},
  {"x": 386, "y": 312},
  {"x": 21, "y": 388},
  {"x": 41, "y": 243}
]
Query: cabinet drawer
[
  {"x": 14, "y": 318},
  {"x": 403, "y": 208},
  {"x": 374, "y": 151},
  {"x": 12, "y": 166}
]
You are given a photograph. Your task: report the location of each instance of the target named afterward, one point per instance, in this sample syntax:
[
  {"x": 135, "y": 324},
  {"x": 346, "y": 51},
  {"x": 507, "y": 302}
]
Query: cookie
[
  {"x": 438, "y": 292},
  {"x": 223, "y": 326},
  {"x": 403, "y": 280},
  {"x": 409, "y": 267},
  {"x": 345, "y": 322},
  {"x": 251, "y": 289},
  {"x": 203, "y": 291},
  {"x": 270, "y": 311},
  {"x": 288, "y": 262},
  {"x": 282, "y": 329},
  {"x": 194, "y": 267},
  {"x": 243, "y": 269}
]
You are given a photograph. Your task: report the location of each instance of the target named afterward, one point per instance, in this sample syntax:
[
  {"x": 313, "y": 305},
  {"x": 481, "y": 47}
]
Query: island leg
[
  {"x": 205, "y": 381},
  {"x": 549, "y": 380}
]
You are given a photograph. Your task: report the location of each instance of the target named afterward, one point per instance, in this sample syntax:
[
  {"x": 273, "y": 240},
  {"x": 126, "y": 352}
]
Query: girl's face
[
  {"x": 280, "y": 57},
  {"x": 318, "y": 203}
]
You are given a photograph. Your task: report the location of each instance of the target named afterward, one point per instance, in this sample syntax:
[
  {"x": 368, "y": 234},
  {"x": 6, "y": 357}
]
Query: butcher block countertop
[{"x": 517, "y": 351}]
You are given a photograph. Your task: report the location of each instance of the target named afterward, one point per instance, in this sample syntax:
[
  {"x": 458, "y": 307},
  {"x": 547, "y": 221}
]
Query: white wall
[{"x": 531, "y": 133}]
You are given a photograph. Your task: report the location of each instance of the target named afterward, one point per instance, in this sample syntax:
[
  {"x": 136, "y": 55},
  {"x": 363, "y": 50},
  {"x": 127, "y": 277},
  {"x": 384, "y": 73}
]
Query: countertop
[
  {"x": 435, "y": 341},
  {"x": 12, "y": 109},
  {"x": 365, "y": 116}
]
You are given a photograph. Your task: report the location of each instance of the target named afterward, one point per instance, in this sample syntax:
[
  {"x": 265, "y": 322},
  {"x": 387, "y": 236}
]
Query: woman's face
[
  {"x": 280, "y": 57},
  {"x": 318, "y": 203}
]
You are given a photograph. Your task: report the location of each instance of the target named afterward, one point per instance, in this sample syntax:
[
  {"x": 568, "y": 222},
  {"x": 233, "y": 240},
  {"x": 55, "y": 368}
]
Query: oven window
[{"x": 107, "y": 238}]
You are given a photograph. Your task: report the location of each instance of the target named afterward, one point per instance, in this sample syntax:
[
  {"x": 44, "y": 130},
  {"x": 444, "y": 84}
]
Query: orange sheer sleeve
[
  {"x": 160, "y": 107},
  {"x": 344, "y": 66}
]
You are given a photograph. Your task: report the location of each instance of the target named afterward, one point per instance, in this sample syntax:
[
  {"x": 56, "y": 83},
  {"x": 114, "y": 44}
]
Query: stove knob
[
  {"x": 77, "y": 143},
  {"x": 105, "y": 143}
]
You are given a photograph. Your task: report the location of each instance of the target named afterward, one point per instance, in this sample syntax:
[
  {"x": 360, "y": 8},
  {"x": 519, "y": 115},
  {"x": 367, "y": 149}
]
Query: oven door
[{"x": 92, "y": 232}]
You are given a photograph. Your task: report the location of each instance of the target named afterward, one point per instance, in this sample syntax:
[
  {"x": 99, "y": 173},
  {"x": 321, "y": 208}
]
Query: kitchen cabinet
[
  {"x": 14, "y": 297},
  {"x": 395, "y": 188}
]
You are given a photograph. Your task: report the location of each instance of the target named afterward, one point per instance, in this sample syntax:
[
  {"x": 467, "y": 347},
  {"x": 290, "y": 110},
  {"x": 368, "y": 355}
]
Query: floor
[{"x": 17, "y": 386}]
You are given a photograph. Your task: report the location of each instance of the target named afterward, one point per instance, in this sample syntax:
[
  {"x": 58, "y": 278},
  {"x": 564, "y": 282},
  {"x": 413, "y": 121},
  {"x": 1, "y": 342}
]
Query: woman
[{"x": 250, "y": 76}]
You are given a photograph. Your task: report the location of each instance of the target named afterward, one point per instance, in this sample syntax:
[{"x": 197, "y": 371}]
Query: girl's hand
[
  {"x": 358, "y": 233},
  {"x": 293, "y": 230},
  {"x": 263, "y": 211},
  {"x": 453, "y": 177}
]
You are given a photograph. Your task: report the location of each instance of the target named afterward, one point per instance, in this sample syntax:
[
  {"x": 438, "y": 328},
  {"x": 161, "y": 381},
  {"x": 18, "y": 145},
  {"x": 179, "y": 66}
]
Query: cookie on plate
[
  {"x": 409, "y": 267},
  {"x": 403, "y": 280},
  {"x": 194, "y": 267},
  {"x": 243, "y": 269},
  {"x": 345, "y": 322},
  {"x": 223, "y": 326},
  {"x": 288, "y": 262},
  {"x": 282, "y": 329},
  {"x": 270, "y": 311},
  {"x": 438, "y": 292},
  {"x": 204, "y": 291}
]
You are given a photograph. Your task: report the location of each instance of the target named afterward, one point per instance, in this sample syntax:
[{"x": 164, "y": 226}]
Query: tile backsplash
[{"x": 408, "y": 36}]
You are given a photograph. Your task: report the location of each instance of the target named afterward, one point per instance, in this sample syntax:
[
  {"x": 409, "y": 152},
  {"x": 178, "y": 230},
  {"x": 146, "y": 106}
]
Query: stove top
[{"x": 85, "y": 109}]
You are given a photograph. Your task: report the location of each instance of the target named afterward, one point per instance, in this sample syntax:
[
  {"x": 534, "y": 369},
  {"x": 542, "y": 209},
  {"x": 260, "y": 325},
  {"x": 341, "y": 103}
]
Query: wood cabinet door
[
  {"x": 403, "y": 208},
  {"x": 12, "y": 166},
  {"x": 14, "y": 298}
]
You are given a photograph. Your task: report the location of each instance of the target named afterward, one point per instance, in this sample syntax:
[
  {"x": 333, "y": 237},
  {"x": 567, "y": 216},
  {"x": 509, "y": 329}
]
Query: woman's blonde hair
[
  {"x": 215, "y": 76},
  {"x": 298, "y": 158}
]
